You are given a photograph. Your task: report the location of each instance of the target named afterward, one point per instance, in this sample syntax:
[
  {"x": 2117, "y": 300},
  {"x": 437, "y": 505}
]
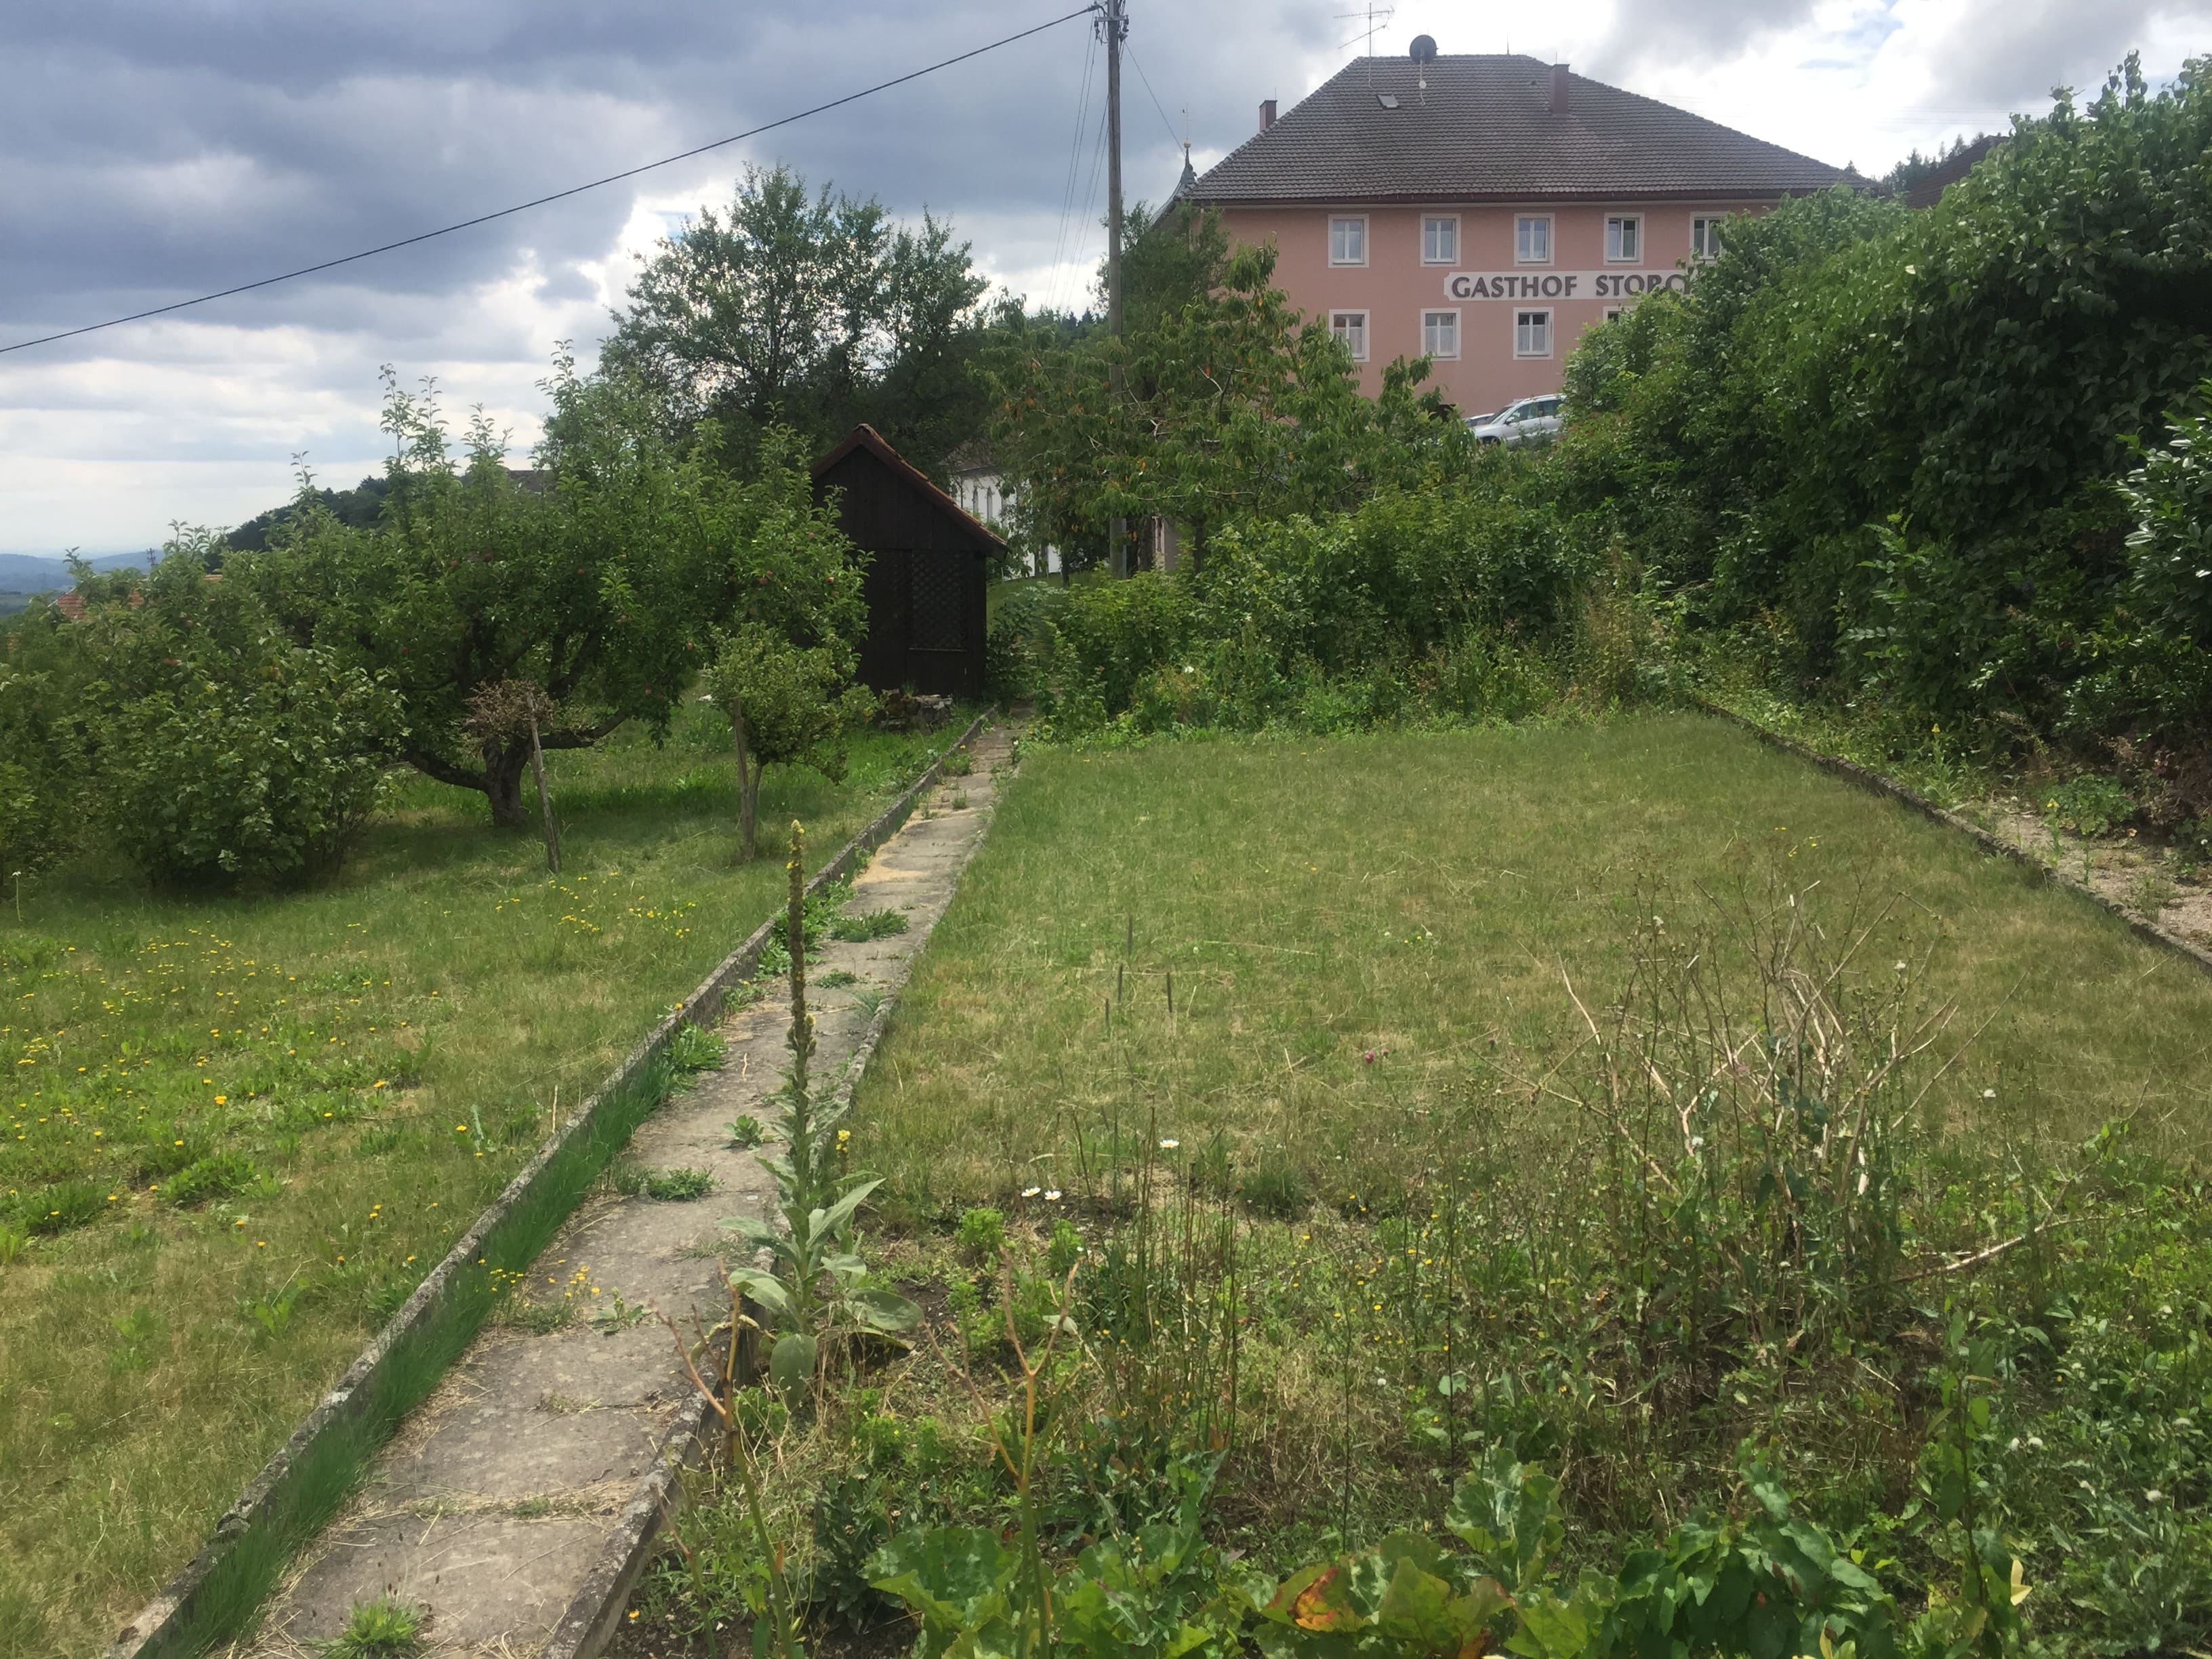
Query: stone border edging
[
  {"x": 594, "y": 1614},
  {"x": 1868, "y": 778},
  {"x": 596, "y": 1610},
  {"x": 165, "y": 1625}
]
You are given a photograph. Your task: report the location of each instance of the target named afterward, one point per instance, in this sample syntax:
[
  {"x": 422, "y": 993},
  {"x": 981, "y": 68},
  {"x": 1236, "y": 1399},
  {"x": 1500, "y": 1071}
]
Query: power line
[
  {"x": 1074, "y": 154},
  {"x": 558, "y": 195},
  {"x": 1174, "y": 137}
]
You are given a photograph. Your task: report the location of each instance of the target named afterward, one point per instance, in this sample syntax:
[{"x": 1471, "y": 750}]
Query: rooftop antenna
[{"x": 1369, "y": 19}]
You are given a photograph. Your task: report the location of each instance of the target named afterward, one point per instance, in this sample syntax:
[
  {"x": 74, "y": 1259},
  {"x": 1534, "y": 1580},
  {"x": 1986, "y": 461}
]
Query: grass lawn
[
  {"x": 1412, "y": 897},
  {"x": 1601, "y": 1097},
  {"x": 242, "y": 1129}
]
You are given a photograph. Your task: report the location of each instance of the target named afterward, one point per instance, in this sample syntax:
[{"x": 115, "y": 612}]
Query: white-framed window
[
  {"x": 1440, "y": 334},
  {"x": 1624, "y": 237},
  {"x": 1612, "y": 312},
  {"x": 1440, "y": 240},
  {"x": 1532, "y": 239},
  {"x": 1351, "y": 327},
  {"x": 1705, "y": 238},
  {"x": 1347, "y": 241},
  {"x": 1532, "y": 333}
]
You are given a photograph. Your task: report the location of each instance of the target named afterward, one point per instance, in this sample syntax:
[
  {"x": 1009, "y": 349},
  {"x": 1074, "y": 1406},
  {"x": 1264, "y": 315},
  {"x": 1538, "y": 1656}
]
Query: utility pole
[{"x": 1115, "y": 22}]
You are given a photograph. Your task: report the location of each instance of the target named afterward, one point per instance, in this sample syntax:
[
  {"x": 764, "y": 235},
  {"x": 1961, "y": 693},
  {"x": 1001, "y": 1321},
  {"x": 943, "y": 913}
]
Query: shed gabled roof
[
  {"x": 866, "y": 437},
  {"x": 1483, "y": 129}
]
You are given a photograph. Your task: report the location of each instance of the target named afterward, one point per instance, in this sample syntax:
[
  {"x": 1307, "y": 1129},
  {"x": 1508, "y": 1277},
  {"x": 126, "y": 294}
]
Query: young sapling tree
[{"x": 784, "y": 704}]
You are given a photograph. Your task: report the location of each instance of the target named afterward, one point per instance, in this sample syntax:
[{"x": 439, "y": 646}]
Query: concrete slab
[{"x": 493, "y": 1506}]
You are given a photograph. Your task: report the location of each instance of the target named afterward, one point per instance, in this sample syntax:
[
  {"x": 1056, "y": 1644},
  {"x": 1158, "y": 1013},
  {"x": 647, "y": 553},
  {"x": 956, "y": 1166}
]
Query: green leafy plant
[
  {"x": 2089, "y": 804},
  {"x": 695, "y": 1048},
  {"x": 386, "y": 1628},
  {"x": 221, "y": 1175},
  {"x": 818, "y": 1285},
  {"x": 871, "y": 924},
  {"x": 746, "y": 1132},
  {"x": 675, "y": 1186},
  {"x": 982, "y": 1233},
  {"x": 272, "y": 1314}
]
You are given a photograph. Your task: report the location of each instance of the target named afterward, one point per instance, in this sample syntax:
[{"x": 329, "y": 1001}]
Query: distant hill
[
  {"x": 26, "y": 573},
  {"x": 359, "y": 506}
]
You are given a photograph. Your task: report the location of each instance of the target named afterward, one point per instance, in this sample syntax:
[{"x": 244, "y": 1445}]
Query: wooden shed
[{"x": 929, "y": 564}]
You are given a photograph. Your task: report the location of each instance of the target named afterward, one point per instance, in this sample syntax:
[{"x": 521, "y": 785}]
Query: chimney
[
  {"x": 1559, "y": 101},
  {"x": 1267, "y": 115}
]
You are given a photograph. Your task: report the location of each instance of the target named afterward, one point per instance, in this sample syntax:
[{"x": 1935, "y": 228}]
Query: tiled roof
[{"x": 1483, "y": 129}]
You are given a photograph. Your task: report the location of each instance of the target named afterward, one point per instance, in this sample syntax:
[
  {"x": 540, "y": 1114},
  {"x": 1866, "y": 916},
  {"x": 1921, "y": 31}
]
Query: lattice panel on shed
[{"x": 938, "y": 608}]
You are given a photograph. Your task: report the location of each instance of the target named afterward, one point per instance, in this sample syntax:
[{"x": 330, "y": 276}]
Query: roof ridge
[{"x": 1484, "y": 128}]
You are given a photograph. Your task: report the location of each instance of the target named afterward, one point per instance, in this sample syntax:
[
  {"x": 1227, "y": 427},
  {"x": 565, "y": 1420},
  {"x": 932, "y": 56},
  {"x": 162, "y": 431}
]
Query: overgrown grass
[
  {"x": 339, "y": 1080},
  {"x": 1602, "y": 1097},
  {"x": 1349, "y": 924}
]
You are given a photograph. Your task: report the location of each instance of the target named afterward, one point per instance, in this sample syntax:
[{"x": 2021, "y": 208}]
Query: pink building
[{"x": 1484, "y": 211}]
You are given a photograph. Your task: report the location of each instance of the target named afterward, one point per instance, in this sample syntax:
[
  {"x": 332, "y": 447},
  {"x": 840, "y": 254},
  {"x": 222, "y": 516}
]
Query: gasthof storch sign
[{"x": 1524, "y": 285}]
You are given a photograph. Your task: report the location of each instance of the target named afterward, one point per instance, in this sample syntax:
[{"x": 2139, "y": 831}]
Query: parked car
[{"x": 1532, "y": 420}]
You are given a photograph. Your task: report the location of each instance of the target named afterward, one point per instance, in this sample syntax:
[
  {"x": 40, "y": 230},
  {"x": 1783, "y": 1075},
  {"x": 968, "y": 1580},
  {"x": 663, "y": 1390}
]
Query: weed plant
[{"x": 386, "y": 1628}]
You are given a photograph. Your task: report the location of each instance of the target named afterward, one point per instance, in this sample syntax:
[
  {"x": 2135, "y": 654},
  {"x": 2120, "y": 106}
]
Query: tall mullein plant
[{"x": 815, "y": 1290}]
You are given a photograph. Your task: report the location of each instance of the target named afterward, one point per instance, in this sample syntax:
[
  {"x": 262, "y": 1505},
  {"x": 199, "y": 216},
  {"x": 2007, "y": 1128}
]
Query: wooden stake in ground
[{"x": 507, "y": 708}]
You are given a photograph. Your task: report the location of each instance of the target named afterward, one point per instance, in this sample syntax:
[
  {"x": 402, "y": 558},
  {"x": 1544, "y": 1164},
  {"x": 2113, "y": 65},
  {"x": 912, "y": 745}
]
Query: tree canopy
[
  {"x": 598, "y": 577},
  {"x": 812, "y": 311}
]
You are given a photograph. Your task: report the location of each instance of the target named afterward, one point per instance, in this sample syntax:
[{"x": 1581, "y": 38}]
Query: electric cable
[
  {"x": 555, "y": 196},
  {"x": 1172, "y": 137},
  {"x": 1074, "y": 155}
]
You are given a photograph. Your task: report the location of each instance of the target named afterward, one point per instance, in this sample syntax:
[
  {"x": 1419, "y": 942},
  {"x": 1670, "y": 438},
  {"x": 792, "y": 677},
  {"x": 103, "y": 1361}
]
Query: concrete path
[{"x": 498, "y": 1498}]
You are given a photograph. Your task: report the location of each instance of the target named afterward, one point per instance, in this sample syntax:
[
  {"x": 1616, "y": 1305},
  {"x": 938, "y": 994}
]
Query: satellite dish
[{"x": 1424, "y": 49}]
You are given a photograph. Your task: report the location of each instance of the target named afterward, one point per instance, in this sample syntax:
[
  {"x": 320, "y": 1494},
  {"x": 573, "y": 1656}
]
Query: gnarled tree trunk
[{"x": 505, "y": 761}]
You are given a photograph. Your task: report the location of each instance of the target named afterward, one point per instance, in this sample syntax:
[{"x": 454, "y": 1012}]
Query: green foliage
[
  {"x": 695, "y": 1048},
  {"x": 1974, "y": 377},
  {"x": 1455, "y": 604},
  {"x": 2155, "y": 653},
  {"x": 982, "y": 1233},
  {"x": 813, "y": 312},
  {"x": 675, "y": 1186},
  {"x": 209, "y": 748},
  {"x": 869, "y": 924},
  {"x": 746, "y": 1132},
  {"x": 1231, "y": 403},
  {"x": 221, "y": 1175},
  {"x": 2089, "y": 804},
  {"x": 598, "y": 579},
  {"x": 784, "y": 704},
  {"x": 386, "y": 1628},
  {"x": 1772, "y": 1585},
  {"x": 818, "y": 1289}
]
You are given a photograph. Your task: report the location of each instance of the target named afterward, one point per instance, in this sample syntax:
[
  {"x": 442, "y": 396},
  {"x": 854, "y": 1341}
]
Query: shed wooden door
[{"x": 925, "y": 622}]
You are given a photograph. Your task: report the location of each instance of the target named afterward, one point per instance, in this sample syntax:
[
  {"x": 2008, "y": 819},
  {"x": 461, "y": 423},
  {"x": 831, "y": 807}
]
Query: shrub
[
  {"x": 1975, "y": 377},
  {"x": 217, "y": 749}
]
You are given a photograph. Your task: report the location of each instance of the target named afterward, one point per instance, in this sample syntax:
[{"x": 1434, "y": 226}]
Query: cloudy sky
[{"x": 150, "y": 149}]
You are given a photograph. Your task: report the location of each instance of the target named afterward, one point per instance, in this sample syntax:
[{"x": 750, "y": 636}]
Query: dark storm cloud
[{"x": 147, "y": 152}]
